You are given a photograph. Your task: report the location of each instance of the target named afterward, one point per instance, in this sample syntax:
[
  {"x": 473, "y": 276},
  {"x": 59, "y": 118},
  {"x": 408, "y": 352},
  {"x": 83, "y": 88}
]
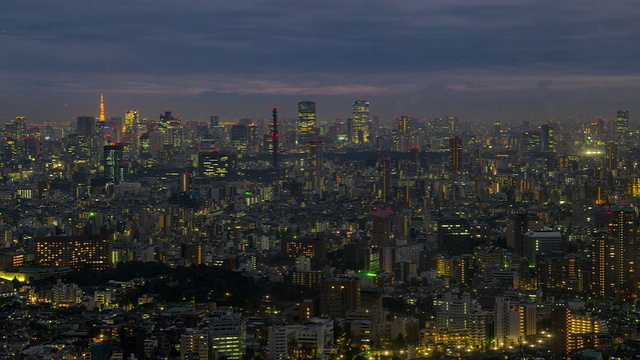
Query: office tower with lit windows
[
  {"x": 454, "y": 236},
  {"x": 164, "y": 121},
  {"x": 113, "y": 162},
  {"x": 79, "y": 252},
  {"x": 339, "y": 295},
  {"x": 130, "y": 136},
  {"x": 216, "y": 164},
  {"x": 623, "y": 226},
  {"x": 228, "y": 335},
  {"x": 195, "y": 344},
  {"x": 401, "y": 134},
  {"x": 240, "y": 137},
  {"x": 455, "y": 154},
  {"x": 315, "y": 161},
  {"x": 514, "y": 322},
  {"x": 306, "y": 121},
  {"x": 361, "y": 123},
  {"x": 622, "y": 121},
  {"x": 131, "y": 120}
]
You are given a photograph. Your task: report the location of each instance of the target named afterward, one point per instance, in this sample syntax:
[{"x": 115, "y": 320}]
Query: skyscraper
[
  {"x": 361, "y": 122},
  {"x": 623, "y": 226},
  {"x": 86, "y": 126},
  {"x": 622, "y": 121},
  {"x": 339, "y": 295},
  {"x": 113, "y": 163},
  {"x": 131, "y": 120},
  {"x": 602, "y": 254},
  {"x": 455, "y": 153},
  {"x": 306, "y": 121},
  {"x": 315, "y": 161}
]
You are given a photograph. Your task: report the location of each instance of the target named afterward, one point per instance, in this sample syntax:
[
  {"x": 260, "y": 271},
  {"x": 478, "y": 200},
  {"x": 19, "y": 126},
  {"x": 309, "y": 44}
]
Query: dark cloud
[{"x": 197, "y": 53}]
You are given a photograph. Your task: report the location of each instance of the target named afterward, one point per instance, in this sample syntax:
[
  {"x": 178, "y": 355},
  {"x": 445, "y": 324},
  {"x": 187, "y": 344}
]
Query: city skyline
[{"x": 490, "y": 59}]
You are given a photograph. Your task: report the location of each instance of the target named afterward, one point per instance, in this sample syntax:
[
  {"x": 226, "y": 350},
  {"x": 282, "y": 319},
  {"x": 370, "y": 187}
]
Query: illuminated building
[
  {"x": 361, "y": 123},
  {"x": 131, "y": 120},
  {"x": 79, "y": 252},
  {"x": 459, "y": 317},
  {"x": 611, "y": 157},
  {"x": 315, "y": 249},
  {"x": 215, "y": 164},
  {"x": 86, "y": 126},
  {"x": 514, "y": 322},
  {"x": 572, "y": 331},
  {"x": 311, "y": 279},
  {"x": 195, "y": 344},
  {"x": 535, "y": 243},
  {"x": 164, "y": 121},
  {"x": 622, "y": 121},
  {"x": 277, "y": 343},
  {"x": 455, "y": 154},
  {"x": 315, "y": 161},
  {"x": 546, "y": 137},
  {"x": 113, "y": 163},
  {"x": 240, "y": 138},
  {"x": 338, "y": 296},
  {"x": 306, "y": 121},
  {"x": 306, "y": 310},
  {"x": 381, "y": 232},
  {"x": 454, "y": 236},
  {"x": 401, "y": 134},
  {"x": 623, "y": 226},
  {"x": 64, "y": 295},
  {"x": 602, "y": 254},
  {"x": 228, "y": 335},
  {"x": 385, "y": 178}
]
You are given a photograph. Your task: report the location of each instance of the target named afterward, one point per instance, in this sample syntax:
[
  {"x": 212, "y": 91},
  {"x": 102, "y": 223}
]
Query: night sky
[{"x": 494, "y": 59}]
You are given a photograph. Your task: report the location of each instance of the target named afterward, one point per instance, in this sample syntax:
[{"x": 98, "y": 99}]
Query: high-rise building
[
  {"x": 611, "y": 157},
  {"x": 228, "y": 335},
  {"x": 240, "y": 137},
  {"x": 306, "y": 121},
  {"x": 623, "y": 226},
  {"x": 602, "y": 253},
  {"x": 131, "y": 120},
  {"x": 622, "y": 121},
  {"x": 215, "y": 164},
  {"x": 381, "y": 232},
  {"x": 455, "y": 154},
  {"x": 80, "y": 252},
  {"x": 514, "y": 322},
  {"x": 277, "y": 343},
  {"x": 315, "y": 161},
  {"x": 338, "y": 296},
  {"x": 385, "y": 178},
  {"x": 361, "y": 122},
  {"x": 86, "y": 126},
  {"x": 113, "y": 163},
  {"x": 401, "y": 134},
  {"x": 194, "y": 344}
]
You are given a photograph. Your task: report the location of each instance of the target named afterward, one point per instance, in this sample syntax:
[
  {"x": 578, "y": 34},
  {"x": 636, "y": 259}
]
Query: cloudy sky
[{"x": 505, "y": 59}]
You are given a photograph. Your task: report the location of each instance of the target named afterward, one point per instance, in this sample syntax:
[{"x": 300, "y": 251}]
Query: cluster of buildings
[{"x": 410, "y": 238}]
